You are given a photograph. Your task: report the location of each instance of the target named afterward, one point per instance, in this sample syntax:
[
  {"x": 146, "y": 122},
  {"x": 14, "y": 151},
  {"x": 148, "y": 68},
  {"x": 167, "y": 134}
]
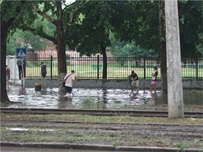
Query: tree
[
  {"x": 191, "y": 14},
  {"x": 147, "y": 28},
  {"x": 96, "y": 25},
  {"x": 91, "y": 35},
  {"x": 61, "y": 17},
  {"x": 162, "y": 48},
  {"x": 191, "y": 30},
  {"x": 27, "y": 40},
  {"x": 125, "y": 48},
  {"x": 8, "y": 16}
]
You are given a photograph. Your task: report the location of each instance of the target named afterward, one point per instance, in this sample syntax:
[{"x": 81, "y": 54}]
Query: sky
[{"x": 70, "y": 1}]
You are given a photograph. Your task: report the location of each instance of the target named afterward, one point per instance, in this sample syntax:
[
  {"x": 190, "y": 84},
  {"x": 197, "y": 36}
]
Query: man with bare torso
[{"x": 7, "y": 76}]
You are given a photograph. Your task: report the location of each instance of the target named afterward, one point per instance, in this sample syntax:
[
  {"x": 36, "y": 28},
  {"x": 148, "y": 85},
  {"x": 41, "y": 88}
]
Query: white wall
[
  {"x": 11, "y": 62},
  {"x": 110, "y": 84}
]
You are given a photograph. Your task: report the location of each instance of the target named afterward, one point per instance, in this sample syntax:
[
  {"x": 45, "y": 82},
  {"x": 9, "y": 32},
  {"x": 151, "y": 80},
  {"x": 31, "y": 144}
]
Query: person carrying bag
[{"x": 68, "y": 79}]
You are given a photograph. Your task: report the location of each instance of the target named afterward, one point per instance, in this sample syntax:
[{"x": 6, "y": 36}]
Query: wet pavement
[{"x": 96, "y": 99}]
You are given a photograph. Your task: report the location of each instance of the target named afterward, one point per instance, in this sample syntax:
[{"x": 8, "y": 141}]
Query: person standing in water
[
  {"x": 69, "y": 79},
  {"x": 19, "y": 64},
  {"x": 8, "y": 71},
  {"x": 134, "y": 80},
  {"x": 154, "y": 78}
]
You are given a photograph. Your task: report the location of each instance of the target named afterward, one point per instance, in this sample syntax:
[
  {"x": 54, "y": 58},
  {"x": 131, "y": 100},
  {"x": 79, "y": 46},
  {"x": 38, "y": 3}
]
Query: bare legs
[
  {"x": 68, "y": 95},
  {"x": 7, "y": 85},
  {"x": 133, "y": 83},
  {"x": 153, "y": 86}
]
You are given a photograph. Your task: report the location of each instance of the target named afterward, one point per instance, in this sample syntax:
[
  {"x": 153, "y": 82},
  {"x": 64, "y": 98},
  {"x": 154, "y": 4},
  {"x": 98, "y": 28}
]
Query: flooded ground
[{"x": 98, "y": 99}]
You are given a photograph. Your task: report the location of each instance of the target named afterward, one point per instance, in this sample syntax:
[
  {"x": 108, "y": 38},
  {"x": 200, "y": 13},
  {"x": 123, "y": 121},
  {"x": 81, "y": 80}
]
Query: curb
[
  {"x": 63, "y": 145},
  {"x": 16, "y": 82}
]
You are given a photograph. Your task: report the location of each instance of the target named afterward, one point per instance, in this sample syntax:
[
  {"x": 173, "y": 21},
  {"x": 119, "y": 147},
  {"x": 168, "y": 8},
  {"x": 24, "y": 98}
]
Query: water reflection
[{"x": 95, "y": 99}]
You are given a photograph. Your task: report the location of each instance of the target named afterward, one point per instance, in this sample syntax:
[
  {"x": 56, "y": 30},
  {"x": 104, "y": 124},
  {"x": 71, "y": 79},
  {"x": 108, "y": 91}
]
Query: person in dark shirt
[
  {"x": 134, "y": 80},
  {"x": 19, "y": 64},
  {"x": 43, "y": 70}
]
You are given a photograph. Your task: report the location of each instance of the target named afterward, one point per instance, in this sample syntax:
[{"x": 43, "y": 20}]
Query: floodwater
[{"x": 82, "y": 98}]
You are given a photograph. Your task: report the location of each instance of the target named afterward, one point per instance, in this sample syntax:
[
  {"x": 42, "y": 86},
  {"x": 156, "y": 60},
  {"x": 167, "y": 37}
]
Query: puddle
[
  {"x": 25, "y": 129},
  {"x": 17, "y": 129},
  {"x": 95, "y": 99}
]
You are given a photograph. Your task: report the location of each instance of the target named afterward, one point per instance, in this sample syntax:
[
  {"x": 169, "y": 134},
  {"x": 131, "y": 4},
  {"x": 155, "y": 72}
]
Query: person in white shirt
[{"x": 69, "y": 78}]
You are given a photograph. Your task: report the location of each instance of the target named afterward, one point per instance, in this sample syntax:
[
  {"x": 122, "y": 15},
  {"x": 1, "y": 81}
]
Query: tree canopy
[
  {"x": 26, "y": 40},
  {"x": 86, "y": 25}
]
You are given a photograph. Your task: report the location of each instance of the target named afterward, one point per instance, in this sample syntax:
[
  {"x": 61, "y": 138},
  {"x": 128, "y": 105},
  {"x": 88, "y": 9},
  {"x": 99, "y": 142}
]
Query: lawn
[{"x": 114, "y": 71}]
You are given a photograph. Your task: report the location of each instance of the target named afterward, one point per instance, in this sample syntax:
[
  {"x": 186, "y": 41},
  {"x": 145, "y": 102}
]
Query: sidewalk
[{"x": 16, "y": 82}]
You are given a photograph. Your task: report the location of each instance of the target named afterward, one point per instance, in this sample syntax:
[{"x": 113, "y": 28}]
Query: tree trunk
[
  {"x": 61, "y": 62},
  {"x": 162, "y": 47},
  {"x": 61, "y": 47},
  {"x": 4, "y": 30},
  {"x": 103, "y": 48},
  {"x": 5, "y": 25}
]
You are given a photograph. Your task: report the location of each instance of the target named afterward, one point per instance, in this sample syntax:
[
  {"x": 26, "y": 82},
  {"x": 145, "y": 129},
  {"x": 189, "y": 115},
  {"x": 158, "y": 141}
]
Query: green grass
[
  {"x": 102, "y": 119},
  {"x": 114, "y": 71},
  {"x": 74, "y": 133}
]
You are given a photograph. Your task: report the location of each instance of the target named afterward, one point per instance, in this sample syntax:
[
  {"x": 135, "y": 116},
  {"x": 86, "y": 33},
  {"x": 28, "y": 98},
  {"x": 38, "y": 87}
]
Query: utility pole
[{"x": 174, "y": 74}]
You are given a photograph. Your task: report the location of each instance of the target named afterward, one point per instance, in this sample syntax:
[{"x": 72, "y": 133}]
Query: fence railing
[{"x": 117, "y": 67}]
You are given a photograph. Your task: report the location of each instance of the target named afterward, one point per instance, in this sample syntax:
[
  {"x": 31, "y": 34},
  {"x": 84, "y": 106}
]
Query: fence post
[
  {"x": 24, "y": 68},
  {"x": 51, "y": 66},
  {"x": 197, "y": 65},
  {"x": 97, "y": 66},
  {"x": 144, "y": 67},
  {"x": 14, "y": 67}
]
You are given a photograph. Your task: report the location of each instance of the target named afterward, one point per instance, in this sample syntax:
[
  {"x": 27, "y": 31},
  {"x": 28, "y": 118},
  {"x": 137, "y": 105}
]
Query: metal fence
[{"x": 117, "y": 67}]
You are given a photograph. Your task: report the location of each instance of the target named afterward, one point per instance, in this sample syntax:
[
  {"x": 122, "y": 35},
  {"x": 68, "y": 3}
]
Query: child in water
[{"x": 154, "y": 78}]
